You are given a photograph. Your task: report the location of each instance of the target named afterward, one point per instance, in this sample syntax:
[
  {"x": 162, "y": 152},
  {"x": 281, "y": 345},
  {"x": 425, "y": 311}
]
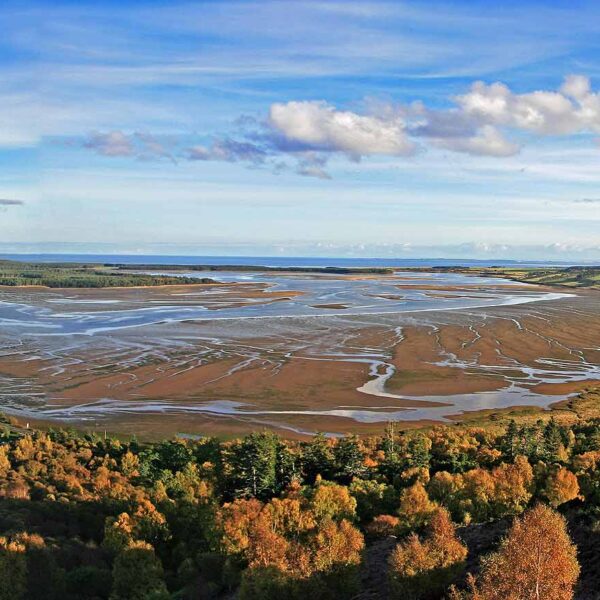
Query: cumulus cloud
[
  {"x": 482, "y": 119},
  {"x": 480, "y": 123},
  {"x": 320, "y": 126},
  {"x": 572, "y": 109},
  {"x": 304, "y": 136}
]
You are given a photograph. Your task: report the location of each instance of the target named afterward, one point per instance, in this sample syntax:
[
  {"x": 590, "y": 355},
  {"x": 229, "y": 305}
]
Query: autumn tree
[
  {"x": 291, "y": 543},
  {"x": 513, "y": 487},
  {"x": 423, "y": 568},
  {"x": 453, "y": 450},
  {"x": 336, "y": 550},
  {"x": 536, "y": 561},
  {"x": 382, "y": 526},
  {"x": 481, "y": 494},
  {"x": 561, "y": 486},
  {"x": 332, "y": 501},
  {"x": 586, "y": 467},
  {"x": 415, "y": 506}
]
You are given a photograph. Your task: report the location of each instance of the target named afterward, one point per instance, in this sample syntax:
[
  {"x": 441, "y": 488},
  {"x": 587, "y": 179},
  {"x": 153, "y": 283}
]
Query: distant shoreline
[
  {"x": 281, "y": 261},
  {"x": 15, "y": 273}
]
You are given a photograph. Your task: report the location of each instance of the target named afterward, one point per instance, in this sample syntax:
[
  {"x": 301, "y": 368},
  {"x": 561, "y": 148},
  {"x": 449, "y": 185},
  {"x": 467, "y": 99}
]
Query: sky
[{"x": 319, "y": 128}]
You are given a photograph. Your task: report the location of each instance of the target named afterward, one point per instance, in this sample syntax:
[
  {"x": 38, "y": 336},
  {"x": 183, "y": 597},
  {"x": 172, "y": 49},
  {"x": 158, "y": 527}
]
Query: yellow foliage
[
  {"x": 561, "y": 486},
  {"x": 415, "y": 506},
  {"x": 536, "y": 561},
  {"x": 331, "y": 501}
]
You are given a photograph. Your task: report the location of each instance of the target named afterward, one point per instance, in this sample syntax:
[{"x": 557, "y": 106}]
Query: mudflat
[{"x": 279, "y": 351}]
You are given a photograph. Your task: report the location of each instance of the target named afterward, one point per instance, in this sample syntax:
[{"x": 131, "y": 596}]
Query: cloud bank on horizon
[{"x": 353, "y": 124}]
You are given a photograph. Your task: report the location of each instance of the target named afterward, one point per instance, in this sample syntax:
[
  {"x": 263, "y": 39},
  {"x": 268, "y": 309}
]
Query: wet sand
[{"x": 336, "y": 373}]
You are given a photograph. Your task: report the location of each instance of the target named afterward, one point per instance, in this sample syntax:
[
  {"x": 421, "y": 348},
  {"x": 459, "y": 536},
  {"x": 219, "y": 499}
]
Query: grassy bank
[{"x": 571, "y": 277}]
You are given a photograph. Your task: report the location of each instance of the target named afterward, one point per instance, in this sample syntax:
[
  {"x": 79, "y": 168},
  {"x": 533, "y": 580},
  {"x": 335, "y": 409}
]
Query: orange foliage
[
  {"x": 561, "y": 486},
  {"x": 420, "y": 568},
  {"x": 537, "y": 561},
  {"x": 513, "y": 485},
  {"x": 506, "y": 489},
  {"x": 588, "y": 461},
  {"x": 415, "y": 506},
  {"x": 337, "y": 544},
  {"x": 236, "y": 519},
  {"x": 288, "y": 535}
]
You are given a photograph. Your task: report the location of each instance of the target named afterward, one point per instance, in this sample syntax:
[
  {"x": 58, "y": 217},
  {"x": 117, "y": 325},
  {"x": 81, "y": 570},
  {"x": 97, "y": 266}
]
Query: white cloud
[
  {"x": 487, "y": 121},
  {"x": 479, "y": 124},
  {"x": 320, "y": 126},
  {"x": 487, "y": 141},
  {"x": 572, "y": 109}
]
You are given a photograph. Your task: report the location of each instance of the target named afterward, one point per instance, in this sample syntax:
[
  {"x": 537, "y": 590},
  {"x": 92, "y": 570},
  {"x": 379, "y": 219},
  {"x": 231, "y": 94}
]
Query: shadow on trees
[{"x": 71, "y": 563}]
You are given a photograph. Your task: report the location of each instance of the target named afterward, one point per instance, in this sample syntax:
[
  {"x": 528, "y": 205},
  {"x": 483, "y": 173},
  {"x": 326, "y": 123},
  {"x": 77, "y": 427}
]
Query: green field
[
  {"x": 580, "y": 277},
  {"x": 576, "y": 277}
]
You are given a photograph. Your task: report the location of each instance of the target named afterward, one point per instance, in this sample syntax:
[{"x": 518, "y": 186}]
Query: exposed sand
[{"x": 296, "y": 375}]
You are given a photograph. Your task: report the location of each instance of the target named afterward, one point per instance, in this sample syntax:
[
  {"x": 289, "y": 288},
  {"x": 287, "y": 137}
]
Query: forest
[
  {"x": 461, "y": 512},
  {"x": 75, "y": 275}
]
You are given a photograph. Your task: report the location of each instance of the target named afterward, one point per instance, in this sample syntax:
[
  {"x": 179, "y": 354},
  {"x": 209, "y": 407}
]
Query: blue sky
[{"x": 408, "y": 129}]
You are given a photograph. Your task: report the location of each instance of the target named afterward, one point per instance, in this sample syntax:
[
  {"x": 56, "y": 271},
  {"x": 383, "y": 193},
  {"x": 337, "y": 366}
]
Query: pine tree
[
  {"x": 419, "y": 452},
  {"x": 318, "y": 459},
  {"x": 349, "y": 459},
  {"x": 553, "y": 442},
  {"x": 509, "y": 443},
  {"x": 251, "y": 466}
]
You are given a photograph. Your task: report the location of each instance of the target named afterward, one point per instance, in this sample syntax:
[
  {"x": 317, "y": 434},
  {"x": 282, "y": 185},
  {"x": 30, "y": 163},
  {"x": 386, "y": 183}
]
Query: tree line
[{"x": 67, "y": 275}]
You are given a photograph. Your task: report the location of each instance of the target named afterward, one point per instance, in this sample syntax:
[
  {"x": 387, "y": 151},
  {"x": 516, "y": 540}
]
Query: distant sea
[{"x": 274, "y": 261}]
